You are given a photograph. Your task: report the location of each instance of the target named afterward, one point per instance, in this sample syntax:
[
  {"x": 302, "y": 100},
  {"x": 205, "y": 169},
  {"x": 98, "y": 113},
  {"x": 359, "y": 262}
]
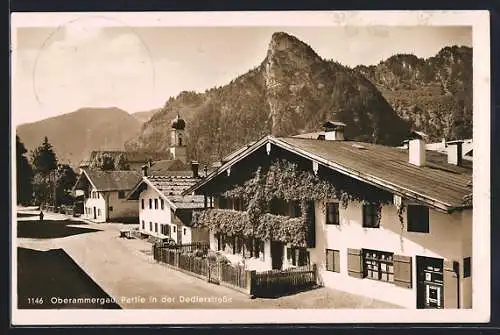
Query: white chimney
[
  {"x": 334, "y": 131},
  {"x": 417, "y": 149},
  {"x": 454, "y": 150}
]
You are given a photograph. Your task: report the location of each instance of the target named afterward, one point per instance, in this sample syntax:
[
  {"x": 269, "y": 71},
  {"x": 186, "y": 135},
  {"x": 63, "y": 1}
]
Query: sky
[{"x": 58, "y": 70}]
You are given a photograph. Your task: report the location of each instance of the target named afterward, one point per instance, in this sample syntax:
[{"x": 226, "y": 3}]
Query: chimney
[
  {"x": 417, "y": 148},
  {"x": 145, "y": 170},
  {"x": 454, "y": 150},
  {"x": 334, "y": 131},
  {"x": 194, "y": 167}
]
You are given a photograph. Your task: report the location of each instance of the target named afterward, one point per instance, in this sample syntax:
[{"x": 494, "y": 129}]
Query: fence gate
[{"x": 213, "y": 272}]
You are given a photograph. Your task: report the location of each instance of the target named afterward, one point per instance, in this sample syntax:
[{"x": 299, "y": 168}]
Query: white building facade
[{"x": 417, "y": 257}]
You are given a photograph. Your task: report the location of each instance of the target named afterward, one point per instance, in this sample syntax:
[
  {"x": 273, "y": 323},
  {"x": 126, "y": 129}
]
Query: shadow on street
[
  {"x": 51, "y": 229},
  {"x": 45, "y": 278}
]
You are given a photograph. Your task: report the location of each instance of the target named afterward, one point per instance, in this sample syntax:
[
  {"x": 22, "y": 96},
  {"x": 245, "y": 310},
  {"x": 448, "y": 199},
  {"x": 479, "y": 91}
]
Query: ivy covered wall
[{"x": 290, "y": 181}]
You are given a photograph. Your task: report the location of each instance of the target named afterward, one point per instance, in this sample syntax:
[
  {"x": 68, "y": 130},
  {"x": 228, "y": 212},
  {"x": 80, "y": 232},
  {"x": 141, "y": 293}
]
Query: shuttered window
[
  {"x": 332, "y": 260},
  {"x": 418, "y": 219},
  {"x": 403, "y": 271},
  {"x": 354, "y": 263},
  {"x": 332, "y": 213},
  {"x": 378, "y": 265}
]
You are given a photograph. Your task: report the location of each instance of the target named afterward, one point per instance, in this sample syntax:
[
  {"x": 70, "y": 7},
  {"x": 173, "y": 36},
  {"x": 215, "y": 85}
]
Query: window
[
  {"x": 332, "y": 260},
  {"x": 418, "y": 219},
  {"x": 173, "y": 229},
  {"x": 378, "y": 265},
  {"x": 467, "y": 267},
  {"x": 162, "y": 203},
  {"x": 156, "y": 227},
  {"x": 297, "y": 256},
  {"x": 150, "y": 226},
  {"x": 142, "y": 203},
  {"x": 156, "y": 203},
  {"x": 165, "y": 229},
  {"x": 110, "y": 208},
  {"x": 143, "y": 225},
  {"x": 98, "y": 212},
  {"x": 332, "y": 213},
  {"x": 121, "y": 194},
  {"x": 184, "y": 231},
  {"x": 150, "y": 203},
  {"x": 370, "y": 216}
]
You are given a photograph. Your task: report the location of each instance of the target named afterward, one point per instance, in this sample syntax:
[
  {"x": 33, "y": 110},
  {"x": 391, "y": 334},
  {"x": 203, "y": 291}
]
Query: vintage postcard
[{"x": 250, "y": 167}]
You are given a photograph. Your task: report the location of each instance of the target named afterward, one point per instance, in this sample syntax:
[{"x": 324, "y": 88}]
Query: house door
[
  {"x": 277, "y": 254},
  {"x": 430, "y": 282},
  {"x": 95, "y": 213}
]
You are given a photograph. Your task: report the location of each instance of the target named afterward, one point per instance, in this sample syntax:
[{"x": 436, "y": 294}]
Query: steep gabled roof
[
  {"x": 438, "y": 184},
  {"x": 170, "y": 188},
  {"x": 110, "y": 180}
]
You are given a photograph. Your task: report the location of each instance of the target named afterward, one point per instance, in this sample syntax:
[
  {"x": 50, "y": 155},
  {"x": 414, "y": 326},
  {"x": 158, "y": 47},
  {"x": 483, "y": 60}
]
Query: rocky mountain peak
[{"x": 285, "y": 48}]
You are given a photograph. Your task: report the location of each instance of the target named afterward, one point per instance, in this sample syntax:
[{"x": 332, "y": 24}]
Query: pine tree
[
  {"x": 44, "y": 159},
  {"x": 44, "y": 162},
  {"x": 24, "y": 174}
]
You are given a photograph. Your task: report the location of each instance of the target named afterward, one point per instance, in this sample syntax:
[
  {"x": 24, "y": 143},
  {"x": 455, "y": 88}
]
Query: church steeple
[{"x": 177, "y": 141}]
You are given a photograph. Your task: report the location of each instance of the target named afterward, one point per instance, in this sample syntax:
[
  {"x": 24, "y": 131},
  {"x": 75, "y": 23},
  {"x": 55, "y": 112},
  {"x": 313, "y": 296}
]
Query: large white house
[
  {"x": 405, "y": 235},
  {"x": 105, "y": 195},
  {"x": 165, "y": 213}
]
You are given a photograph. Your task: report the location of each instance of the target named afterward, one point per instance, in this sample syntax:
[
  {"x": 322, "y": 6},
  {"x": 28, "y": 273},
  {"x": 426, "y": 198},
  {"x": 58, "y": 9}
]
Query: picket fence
[{"x": 262, "y": 284}]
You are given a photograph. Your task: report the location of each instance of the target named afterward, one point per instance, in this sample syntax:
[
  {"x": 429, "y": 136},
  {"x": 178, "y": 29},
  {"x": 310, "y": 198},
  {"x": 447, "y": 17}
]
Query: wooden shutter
[
  {"x": 450, "y": 281},
  {"x": 336, "y": 261},
  {"x": 311, "y": 225},
  {"x": 329, "y": 260},
  {"x": 354, "y": 263},
  {"x": 402, "y": 271}
]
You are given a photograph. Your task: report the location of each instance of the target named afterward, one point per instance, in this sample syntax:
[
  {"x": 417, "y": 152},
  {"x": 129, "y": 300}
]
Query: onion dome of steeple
[{"x": 178, "y": 123}]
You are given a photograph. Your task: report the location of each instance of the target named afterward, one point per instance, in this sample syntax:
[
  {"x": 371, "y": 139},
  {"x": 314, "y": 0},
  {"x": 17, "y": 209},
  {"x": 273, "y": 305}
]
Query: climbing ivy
[{"x": 284, "y": 180}]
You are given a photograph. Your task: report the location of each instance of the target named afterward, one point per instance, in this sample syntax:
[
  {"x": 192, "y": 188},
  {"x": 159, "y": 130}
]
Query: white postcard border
[{"x": 480, "y": 312}]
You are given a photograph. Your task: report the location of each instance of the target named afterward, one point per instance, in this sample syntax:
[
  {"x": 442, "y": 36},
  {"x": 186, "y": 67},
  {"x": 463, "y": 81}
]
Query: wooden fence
[
  {"x": 263, "y": 284},
  {"x": 279, "y": 282},
  {"x": 190, "y": 247}
]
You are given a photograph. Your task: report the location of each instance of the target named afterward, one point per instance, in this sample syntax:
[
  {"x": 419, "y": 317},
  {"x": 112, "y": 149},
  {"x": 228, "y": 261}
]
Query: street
[{"x": 125, "y": 271}]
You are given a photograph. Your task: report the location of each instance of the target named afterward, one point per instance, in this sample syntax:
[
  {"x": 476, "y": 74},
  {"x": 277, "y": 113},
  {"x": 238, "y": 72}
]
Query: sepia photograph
[{"x": 250, "y": 167}]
